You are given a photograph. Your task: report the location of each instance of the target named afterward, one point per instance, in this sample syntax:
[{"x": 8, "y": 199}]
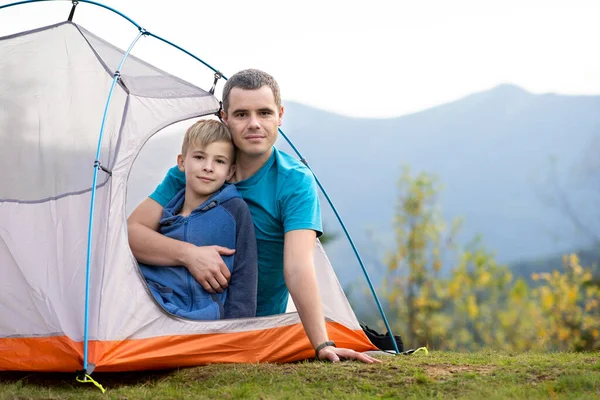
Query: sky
[{"x": 373, "y": 59}]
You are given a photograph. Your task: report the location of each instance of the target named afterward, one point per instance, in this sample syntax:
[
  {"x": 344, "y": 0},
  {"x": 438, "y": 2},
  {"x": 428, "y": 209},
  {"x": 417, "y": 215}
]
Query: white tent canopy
[{"x": 54, "y": 83}]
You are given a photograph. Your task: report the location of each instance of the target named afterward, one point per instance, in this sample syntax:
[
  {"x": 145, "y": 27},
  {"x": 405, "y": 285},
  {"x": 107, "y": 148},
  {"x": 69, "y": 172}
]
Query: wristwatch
[{"x": 322, "y": 346}]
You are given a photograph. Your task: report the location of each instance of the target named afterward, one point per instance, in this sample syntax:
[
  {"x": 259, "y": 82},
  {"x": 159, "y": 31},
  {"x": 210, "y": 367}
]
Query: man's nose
[{"x": 254, "y": 122}]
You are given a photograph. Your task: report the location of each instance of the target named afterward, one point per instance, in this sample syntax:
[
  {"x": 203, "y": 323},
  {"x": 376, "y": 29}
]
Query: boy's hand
[{"x": 207, "y": 267}]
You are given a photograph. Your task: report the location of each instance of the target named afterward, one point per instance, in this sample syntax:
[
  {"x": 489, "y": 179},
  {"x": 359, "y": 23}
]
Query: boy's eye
[
  {"x": 221, "y": 161},
  {"x": 198, "y": 157}
]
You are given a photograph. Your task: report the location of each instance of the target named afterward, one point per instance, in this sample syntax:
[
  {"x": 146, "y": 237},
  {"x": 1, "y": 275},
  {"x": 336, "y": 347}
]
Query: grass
[{"x": 487, "y": 375}]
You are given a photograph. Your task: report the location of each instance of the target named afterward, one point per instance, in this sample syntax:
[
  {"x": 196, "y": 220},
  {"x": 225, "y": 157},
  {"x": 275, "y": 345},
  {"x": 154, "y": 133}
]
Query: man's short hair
[
  {"x": 250, "y": 79},
  {"x": 205, "y": 132}
]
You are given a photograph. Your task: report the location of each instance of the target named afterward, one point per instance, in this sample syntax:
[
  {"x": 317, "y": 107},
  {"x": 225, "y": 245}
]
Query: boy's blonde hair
[{"x": 205, "y": 132}]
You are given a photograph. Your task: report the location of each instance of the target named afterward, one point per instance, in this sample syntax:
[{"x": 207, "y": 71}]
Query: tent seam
[
  {"x": 32, "y": 31},
  {"x": 54, "y": 198},
  {"x": 100, "y": 60}
]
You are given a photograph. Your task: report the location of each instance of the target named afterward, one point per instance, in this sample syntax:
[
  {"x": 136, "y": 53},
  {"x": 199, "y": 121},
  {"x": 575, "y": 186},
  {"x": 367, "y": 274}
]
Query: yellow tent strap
[
  {"x": 90, "y": 379},
  {"x": 422, "y": 348}
]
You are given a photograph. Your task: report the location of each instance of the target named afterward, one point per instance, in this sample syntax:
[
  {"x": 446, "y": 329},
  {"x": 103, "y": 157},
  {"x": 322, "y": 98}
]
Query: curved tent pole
[
  {"x": 362, "y": 266},
  {"x": 80, "y": 1},
  {"x": 96, "y": 166},
  {"x": 185, "y": 51},
  {"x": 128, "y": 19}
]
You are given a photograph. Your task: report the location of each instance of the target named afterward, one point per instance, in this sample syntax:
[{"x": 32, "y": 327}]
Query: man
[{"x": 282, "y": 196}]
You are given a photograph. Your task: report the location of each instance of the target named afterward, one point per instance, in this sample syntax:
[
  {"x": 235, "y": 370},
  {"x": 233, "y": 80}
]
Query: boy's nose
[{"x": 208, "y": 167}]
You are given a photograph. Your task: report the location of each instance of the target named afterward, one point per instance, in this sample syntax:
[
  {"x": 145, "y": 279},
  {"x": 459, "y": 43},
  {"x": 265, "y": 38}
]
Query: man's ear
[
  {"x": 180, "y": 163},
  {"x": 231, "y": 172},
  {"x": 280, "y": 115},
  {"x": 224, "y": 117}
]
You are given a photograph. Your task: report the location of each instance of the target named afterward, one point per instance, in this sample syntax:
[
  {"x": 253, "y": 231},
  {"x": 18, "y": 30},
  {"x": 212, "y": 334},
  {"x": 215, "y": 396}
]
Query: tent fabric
[{"x": 54, "y": 82}]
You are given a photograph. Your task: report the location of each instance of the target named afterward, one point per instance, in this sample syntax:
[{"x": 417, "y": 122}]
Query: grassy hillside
[{"x": 488, "y": 375}]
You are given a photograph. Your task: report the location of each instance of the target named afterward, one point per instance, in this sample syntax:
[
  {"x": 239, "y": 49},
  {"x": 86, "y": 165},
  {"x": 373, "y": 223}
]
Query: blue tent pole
[
  {"x": 80, "y": 1},
  {"x": 97, "y": 166},
  {"x": 362, "y": 266}
]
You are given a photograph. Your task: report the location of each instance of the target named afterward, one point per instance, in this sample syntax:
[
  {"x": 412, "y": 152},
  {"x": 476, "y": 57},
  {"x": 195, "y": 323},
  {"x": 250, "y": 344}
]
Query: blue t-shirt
[{"x": 282, "y": 196}]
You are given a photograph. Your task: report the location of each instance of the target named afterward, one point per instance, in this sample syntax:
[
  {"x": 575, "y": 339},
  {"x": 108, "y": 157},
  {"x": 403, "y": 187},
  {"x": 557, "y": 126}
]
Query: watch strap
[{"x": 322, "y": 346}]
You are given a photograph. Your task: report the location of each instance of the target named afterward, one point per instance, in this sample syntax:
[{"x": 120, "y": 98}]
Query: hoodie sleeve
[{"x": 241, "y": 298}]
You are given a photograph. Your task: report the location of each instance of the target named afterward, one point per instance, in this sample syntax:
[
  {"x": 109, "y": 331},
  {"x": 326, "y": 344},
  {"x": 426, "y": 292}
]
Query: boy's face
[
  {"x": 206, "y": 169},
  {"x": 253, "y": 118}
]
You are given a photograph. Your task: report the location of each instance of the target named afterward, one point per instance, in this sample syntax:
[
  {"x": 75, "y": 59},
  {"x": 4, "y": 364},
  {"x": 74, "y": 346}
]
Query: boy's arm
[
  {"x": 150, "y": 247},
  {"x": 241, "y": 299}
]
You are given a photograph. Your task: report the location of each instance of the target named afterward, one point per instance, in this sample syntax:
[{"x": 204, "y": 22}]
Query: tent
[{"x": 71, "y": 294}]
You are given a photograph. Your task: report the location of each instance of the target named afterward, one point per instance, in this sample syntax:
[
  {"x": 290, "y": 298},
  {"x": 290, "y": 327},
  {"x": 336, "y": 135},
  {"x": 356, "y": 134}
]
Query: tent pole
[
  {"x": 186, "y": 52},
  {"x": 385, "y": 321},
  {"x": 81, "y": 1},
  {"x": 98, "y": 166}
]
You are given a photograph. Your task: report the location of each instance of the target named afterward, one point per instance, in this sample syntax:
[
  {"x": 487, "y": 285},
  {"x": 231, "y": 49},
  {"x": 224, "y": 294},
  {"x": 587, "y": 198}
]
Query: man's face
[
  {"x": 253, "y": 118},
  {"x": 206, "y": 168}
]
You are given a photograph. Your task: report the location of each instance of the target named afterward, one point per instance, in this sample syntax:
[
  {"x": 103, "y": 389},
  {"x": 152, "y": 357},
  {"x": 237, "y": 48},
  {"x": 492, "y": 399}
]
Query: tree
[{"x": 412, "y": 282}]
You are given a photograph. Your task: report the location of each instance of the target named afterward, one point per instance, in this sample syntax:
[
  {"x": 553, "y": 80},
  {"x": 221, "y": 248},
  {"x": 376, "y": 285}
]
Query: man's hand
[
  {"x": 207, "y": 267},
  {"x": 150, "y": 247},
  {"x": 334, "y": 354}
]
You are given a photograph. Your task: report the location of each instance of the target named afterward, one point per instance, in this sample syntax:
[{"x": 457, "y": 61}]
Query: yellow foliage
[
  {"x": 563, "y": 333},
  {"x": 472, "y": 307},
  {"x": 454, "y": 288},
  {"x": 420, "y": 302},
  {"x": 573, "y": 260},
  {"x": 591, "y": 305},
  {"x": 479, "y": 305},
  {"x": 547, "y": 298},
  {"x": 484, "y": 278},
  {"x": 572, "y": 295}
]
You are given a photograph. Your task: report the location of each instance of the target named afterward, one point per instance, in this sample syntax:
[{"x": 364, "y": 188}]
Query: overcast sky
[{"x": 360, "y": 58}]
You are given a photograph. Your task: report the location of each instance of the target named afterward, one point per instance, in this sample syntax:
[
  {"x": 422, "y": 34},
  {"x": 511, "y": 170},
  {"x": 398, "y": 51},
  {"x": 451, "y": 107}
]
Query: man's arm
[
  {"x": 150, "y": 247},
  {"x": 300, "y": 278},
  {"x": 241, "y": 299}
]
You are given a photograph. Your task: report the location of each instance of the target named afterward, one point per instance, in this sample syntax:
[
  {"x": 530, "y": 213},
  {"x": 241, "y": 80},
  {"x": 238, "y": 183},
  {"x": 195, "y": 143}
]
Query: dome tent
[{"x": 68, "y": 303}]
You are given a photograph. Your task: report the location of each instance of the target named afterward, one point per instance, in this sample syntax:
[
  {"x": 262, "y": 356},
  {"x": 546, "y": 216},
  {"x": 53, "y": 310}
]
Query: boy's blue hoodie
[{"x": 224, "y": 220}]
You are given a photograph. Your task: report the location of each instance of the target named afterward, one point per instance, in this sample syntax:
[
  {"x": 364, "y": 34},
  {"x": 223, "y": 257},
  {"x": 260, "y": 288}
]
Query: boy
[{"x": 207, "y": 212}]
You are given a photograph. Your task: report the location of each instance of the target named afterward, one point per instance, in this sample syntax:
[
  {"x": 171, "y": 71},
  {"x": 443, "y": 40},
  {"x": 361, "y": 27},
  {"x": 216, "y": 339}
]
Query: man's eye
[{"x": 241, "y": 115}]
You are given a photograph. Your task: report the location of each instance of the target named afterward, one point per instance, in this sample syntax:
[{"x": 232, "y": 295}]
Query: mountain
[{"x": 492, "y": 151}]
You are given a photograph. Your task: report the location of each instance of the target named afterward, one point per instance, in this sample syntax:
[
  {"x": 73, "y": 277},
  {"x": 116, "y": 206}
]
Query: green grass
[{"x": 486, "y": 375}]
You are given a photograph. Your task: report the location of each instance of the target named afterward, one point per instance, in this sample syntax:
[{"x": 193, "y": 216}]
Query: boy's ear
[
  {"x": 231, "y": 172},
  {"x": 180, "y": 163}
]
